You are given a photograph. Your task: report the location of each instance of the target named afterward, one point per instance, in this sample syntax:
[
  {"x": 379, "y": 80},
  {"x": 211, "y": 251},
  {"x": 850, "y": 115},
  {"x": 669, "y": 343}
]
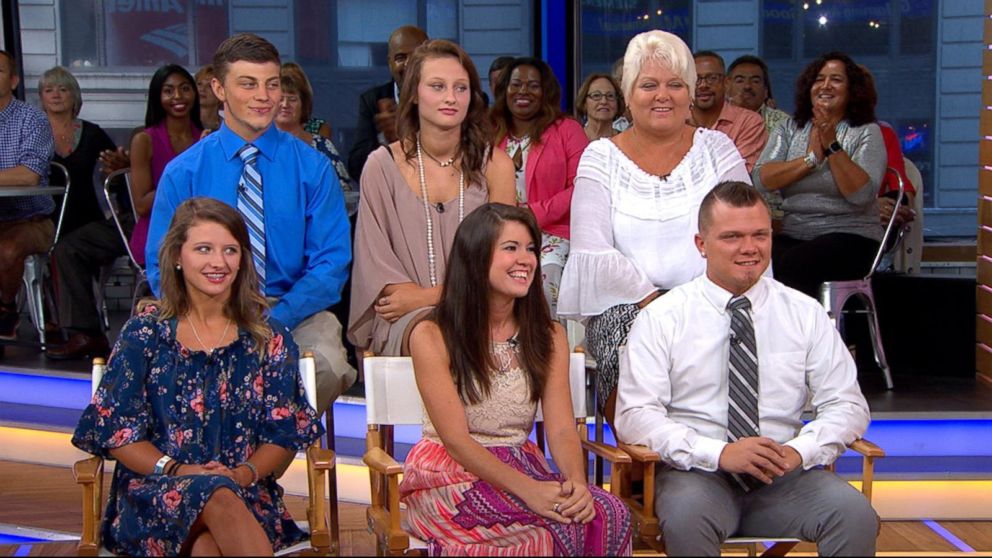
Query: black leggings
[{"x": 805, "y": 264}]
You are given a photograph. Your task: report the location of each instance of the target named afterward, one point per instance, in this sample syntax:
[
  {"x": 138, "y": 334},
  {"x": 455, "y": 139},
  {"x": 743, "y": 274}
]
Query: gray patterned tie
[
  {"x": 251, "y": 207},
  {"x": 742, "y": 419}
]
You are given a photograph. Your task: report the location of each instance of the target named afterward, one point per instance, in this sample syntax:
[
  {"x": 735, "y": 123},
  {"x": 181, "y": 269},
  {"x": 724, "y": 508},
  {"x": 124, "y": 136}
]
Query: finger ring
[{"x": 556, "y": 508}]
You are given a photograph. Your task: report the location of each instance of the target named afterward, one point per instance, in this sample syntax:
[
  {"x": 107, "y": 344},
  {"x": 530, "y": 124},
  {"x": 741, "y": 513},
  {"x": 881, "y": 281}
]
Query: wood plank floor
[{"x": 41, "y": 497}]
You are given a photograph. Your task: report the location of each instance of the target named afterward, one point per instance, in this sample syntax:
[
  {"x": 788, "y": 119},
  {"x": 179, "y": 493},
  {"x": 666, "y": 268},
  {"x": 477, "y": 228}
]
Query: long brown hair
[
  {"x": 476, "y": 132},
  {"x": 463, "y": 312},
  {"x": 550, "y": 100},
  {"x": 246, "y": 306}
]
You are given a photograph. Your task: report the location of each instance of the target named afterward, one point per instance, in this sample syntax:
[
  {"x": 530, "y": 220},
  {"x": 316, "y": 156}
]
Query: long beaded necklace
[
  {"x": 431, "y": 256},
  {"x": 192, "y": 326}
]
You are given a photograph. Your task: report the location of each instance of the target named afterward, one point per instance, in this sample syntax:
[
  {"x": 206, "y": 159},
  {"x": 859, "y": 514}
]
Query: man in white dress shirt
[{"x": 715, "y": 377}]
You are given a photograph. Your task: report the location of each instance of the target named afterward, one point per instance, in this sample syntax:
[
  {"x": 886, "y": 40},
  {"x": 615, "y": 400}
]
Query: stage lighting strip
[{"x": 948, "y": 536}]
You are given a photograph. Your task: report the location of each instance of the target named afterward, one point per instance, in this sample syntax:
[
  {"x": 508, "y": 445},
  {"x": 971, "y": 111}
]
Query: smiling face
[
  {"x": 660, "y": 99},
  {"x": 747, "y": 86},
  {"x": 210, "y": 260},
  {"x": 524, "y": 93},
  {"x": 601, "y": 101},
  {"x": 831, "y": 88},
  {"x": 177, "y": 96},
  {"x": 251, "y": 93},
  {"x": 514, "y": 261},
  {"x": 444, "y": 93},
  {"x": 56, "y": 99},
  {"x": 290, "y": 111},
  {"x": 737, "y": 244}
]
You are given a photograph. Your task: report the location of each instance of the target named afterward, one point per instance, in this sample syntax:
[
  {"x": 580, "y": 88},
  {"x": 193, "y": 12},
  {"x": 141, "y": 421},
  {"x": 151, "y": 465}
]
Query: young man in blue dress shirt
[
  {"x": 715, "y": 377},
  {"x": 305, "y": 226}
]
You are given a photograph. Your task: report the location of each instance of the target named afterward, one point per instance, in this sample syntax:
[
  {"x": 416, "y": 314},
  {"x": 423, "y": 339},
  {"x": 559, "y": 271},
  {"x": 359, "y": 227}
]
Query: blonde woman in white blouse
[{"x": 636, "y": 200}]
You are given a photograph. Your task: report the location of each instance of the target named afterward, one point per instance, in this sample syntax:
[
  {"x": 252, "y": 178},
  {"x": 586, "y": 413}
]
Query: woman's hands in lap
[{"x": 573, "y": 499}]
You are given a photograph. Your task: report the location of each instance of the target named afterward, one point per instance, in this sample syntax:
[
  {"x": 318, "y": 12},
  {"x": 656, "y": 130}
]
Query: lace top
[
  {"x": 506, "y": 417},
  {"x": 633, "y": 231}
]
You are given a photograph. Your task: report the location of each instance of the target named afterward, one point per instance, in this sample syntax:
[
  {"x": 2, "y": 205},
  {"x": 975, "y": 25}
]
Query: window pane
[
  {"x": 141, "y": 33},
  {"x": 608, "y": 25},
  {"x": 895, "y": 39},
  {"x": 364, "y": 28}
]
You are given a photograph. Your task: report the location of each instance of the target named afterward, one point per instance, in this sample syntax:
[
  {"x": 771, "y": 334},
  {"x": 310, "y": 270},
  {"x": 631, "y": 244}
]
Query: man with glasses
[
  {"x": 710, "y": 109},
  {"x": 748, "y": 86}
]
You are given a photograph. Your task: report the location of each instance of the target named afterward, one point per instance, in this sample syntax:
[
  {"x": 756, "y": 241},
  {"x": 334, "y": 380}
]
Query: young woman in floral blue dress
[{"x": 200, "y": 404}]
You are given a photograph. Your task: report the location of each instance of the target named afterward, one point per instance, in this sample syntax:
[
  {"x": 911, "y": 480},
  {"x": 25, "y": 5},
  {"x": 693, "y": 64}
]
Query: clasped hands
[
  {"x": 240, "y": 475},
  {"x": 824, "y": 130},
  {"x": 398, "y": 299},
  {"x": 565, "y": 502},
  {"x": 760, "y": 457}
]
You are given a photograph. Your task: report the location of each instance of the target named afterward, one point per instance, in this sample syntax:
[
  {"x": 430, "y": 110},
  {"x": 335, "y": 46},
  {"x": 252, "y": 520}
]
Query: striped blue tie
[
  {"x": 251, "y": 207},
  {"x": 742, "y": 418}
]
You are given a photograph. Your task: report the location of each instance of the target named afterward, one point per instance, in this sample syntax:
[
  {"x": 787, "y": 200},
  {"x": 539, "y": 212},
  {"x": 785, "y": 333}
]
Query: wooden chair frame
[
  {"x": 320, "y": 464},
  {"x": 645, "y": 524},
  {"x": 384, "y": 516}
]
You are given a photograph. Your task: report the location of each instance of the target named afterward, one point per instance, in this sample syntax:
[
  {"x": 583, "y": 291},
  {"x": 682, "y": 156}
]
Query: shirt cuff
[
  {"x": 706, "y": 453},
  {"x": 807, "y": 448}
]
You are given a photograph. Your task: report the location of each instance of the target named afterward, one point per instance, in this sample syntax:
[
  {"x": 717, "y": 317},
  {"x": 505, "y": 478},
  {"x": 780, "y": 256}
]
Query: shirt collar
[
  {"x": 230, "y": 142},
  {"x": 719, "y": 297}
]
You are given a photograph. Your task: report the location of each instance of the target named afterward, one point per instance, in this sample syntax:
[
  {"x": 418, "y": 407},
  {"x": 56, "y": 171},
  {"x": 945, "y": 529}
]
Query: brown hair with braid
[{"x": 476, "y": 132}]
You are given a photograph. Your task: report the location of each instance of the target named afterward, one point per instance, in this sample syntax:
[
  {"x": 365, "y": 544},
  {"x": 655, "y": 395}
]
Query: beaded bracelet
[{"x": 254, "y": 473}]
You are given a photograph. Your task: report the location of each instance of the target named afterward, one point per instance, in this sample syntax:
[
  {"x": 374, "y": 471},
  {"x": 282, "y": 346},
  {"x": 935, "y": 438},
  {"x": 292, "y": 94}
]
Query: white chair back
[
  {"x": 392, "y": 398},
  {"x": 909, "y": 256},
  {"x": 308, "y": 372},
  {"x": 99, "y": 367}
]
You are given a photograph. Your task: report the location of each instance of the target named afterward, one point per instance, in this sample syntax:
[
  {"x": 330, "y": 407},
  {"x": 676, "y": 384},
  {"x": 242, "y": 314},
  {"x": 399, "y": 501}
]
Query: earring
[{"x": 179, "y": 267}]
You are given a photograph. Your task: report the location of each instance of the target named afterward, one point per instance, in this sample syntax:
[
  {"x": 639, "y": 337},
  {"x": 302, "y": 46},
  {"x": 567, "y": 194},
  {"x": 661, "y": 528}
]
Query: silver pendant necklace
[{"x": 192, "y": 326}]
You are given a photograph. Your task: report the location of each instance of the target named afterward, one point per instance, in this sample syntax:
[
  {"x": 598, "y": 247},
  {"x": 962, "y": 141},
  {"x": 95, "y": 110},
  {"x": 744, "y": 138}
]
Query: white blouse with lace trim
[{"x": 632, "y": 232}]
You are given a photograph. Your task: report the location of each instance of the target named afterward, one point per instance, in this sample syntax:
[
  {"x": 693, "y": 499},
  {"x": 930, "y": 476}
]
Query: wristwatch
[
  {"x": 810, "y": 160},
  {"x": 832, "y": 148}
]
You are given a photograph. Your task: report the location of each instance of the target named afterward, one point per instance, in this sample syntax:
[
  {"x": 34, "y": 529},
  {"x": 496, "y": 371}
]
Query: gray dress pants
[{"x": 699, "y": 510}]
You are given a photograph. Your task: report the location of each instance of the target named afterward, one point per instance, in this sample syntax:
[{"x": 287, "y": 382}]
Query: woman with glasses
[
  {"x": 294, "y": 114},
  {"x": 599, "y": 103},
  {"x": 545, "y": 146},
  {"x": 636, "y": 202}
]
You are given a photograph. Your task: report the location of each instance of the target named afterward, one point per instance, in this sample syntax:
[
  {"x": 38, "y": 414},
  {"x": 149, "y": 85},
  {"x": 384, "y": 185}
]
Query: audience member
[
  {"x": 197, "y": 413},
  {"x": 377, "y": 105},
  {"x": 715, "y": 378},
  {"x": 889, "y": 189},
  {"x": 295, "y": 110},
  {"x": 416, "y": 191},
  {"x": 623, "y": 118},
  {"x": 495, "y": 70},
  {"x": 828, "y": 161},
  {"x": 172, "y": 125},
  {"x": 288, "y": 193},
  {"x": 598, "y": 105},
  {"x": 26, "y": 147},
  {"x": 748, "y": 86},
  {"x": 210, "y": 107},
  {"x": 78, "y": 144},
  {"x": 710, "y": 110},
  {"x": 545, "y": 147},
  {"x": 636, "y": 200},
  {"x": 88, "y": 239},
  {"x": 483, "y": 362}
]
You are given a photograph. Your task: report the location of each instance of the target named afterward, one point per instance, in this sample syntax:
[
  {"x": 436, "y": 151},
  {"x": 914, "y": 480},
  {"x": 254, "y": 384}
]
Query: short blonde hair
[
  {"x": 61, "y": 77},
  {"x": 664, "y": 48}
]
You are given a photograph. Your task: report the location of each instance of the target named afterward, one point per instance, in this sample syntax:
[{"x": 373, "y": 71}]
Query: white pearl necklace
[{"x": 431, "y": 256}]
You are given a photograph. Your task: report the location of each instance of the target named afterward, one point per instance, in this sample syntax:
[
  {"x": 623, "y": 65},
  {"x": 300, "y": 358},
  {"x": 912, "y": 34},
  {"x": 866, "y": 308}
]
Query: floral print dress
[{"x": 195, "y": 407}]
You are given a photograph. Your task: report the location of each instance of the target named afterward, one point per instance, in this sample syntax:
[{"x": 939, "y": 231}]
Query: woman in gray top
[{"x": 827, "y": 161}]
